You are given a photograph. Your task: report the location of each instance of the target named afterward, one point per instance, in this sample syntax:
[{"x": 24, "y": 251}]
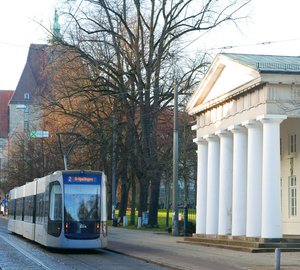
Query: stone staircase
[{"x": 247, "y": 244}]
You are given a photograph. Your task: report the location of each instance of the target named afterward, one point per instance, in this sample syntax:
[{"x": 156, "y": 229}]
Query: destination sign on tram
[{"x": 81, "y": 179}]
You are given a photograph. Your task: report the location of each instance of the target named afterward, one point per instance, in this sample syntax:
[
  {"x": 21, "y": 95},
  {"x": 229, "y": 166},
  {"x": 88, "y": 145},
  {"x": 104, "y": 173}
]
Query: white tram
[{"x": 66, "y": 209}]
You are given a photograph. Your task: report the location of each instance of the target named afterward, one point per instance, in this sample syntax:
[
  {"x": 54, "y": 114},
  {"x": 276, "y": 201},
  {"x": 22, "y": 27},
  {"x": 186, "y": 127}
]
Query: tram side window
[
  {"x": 46, "y": 205},
  {"x": 12, "y": 209},
  {"x": 19, "y": 209},
  {"x": 55, "y": 209},
  {"x": 29, "y": 209},
  {"x": 40, "y": 208}
]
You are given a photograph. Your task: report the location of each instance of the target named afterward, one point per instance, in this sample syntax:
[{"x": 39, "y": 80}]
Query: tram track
[
  {"x": 73, "y": 259},
  {"x": 77, "y": 260},
  {"x": 61, "y": 258},
  {"x": 25, "y": 253},
  {"x": 17, "y": 252}
]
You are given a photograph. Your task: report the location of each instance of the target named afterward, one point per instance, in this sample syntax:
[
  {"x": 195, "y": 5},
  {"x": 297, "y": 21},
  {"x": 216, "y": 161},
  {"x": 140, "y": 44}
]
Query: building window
[
  {"x": 292, "y": 196},
  {"x": 26, "y": 96},
  {"x": 292, "y": 144}
]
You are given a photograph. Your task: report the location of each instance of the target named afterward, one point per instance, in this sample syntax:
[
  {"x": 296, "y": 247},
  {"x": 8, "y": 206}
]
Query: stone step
[
  {"x": 240, "y": 248},
  {"x": 242, "y": 244},
  {"x": 211, "y": 244},
  {"x": 246, "y": 243}
]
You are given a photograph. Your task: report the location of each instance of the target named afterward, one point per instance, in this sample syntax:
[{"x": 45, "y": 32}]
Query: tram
[{"x": 66, "y": 209}]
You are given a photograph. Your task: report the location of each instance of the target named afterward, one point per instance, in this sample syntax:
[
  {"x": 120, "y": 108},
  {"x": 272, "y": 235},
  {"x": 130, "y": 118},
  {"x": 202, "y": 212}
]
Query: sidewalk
[{"x": 163, "y": 249}]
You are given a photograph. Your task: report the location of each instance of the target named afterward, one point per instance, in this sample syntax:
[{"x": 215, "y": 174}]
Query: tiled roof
[{"x": 268, "y": 63}]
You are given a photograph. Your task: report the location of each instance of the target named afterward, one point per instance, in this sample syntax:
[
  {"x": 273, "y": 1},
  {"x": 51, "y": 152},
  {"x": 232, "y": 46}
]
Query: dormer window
[{"x": 26, "y": 96}]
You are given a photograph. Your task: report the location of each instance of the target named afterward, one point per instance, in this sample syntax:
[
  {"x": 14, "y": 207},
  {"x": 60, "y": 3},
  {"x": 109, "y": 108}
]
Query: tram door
[{"x": 55, "y": 209}]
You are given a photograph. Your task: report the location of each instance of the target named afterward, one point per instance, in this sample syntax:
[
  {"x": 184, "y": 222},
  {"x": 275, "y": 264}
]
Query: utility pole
[{"x": 175, "y": 230}]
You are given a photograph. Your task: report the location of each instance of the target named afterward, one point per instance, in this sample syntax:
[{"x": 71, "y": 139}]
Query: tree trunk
[
  {"x": 133, "y": 203},
  {"x": 125, "y": 185},
  {"x": 143, "y": 196},
  {"x": 153, "y": 209}
]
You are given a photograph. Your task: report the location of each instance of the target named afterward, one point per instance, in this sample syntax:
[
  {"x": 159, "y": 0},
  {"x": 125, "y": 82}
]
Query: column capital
[
  {"x": 223, "y": 133},
  {"x": 237, "y": 129},
  {"x": 271, "y": 118},
  {"x": 211, "y": 137},
  {"x": 200, "y": 141},
  {"x": 251, "y": 124}
]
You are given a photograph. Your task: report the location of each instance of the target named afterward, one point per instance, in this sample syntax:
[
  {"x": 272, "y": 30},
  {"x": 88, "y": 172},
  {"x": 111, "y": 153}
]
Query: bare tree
[{"x": 128, "y": 47}]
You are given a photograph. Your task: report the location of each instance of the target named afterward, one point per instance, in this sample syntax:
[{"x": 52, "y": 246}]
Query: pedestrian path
[{"x": 164, "y": 249}]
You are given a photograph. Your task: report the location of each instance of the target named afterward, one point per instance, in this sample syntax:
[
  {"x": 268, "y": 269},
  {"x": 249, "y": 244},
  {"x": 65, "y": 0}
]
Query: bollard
[
  {"x": 125, "y": 221},
  {"x": 139, "y": 222},
  {"x": 186, "y": 222},
  {"x": 277, "y": 258}
]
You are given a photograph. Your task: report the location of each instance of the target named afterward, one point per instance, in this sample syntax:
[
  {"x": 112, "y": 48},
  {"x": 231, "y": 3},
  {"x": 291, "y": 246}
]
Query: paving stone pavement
[{"x": 164, "y": 249}]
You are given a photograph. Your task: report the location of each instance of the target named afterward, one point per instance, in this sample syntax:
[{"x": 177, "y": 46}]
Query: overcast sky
[{"x": 273, "y": 21}]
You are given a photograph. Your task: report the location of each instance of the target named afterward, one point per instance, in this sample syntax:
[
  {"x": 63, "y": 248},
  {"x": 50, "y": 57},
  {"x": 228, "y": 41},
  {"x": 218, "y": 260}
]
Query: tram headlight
[
  {"x": 67, "y": 227},
  {"x": 98, "y": 227}
]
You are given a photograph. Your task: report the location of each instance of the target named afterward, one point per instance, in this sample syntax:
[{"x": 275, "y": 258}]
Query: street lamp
[{"x": 175, "y": 230}]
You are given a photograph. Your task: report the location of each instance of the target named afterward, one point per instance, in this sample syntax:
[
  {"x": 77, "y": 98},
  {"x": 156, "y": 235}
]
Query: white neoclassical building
[{"x": 248, "y": 136}]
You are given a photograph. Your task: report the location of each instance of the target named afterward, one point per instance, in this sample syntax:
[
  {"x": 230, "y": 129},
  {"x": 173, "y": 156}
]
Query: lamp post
[{"x": 175, "y": 230}]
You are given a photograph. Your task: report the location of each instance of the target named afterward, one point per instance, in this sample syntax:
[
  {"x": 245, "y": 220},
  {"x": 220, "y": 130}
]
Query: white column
[
  {"x": 254, "y": 178},
  {"x": 239, "y": 190},
  {"x": 212, "y": 184},
  {"x": 225, "y": 188},
  {"x": 201, "y": 186},
  {"x": 271, "y": 200}
]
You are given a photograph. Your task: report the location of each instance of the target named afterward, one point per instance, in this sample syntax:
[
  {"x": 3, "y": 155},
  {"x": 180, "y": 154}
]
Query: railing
[{"x": 278, "y": 66}]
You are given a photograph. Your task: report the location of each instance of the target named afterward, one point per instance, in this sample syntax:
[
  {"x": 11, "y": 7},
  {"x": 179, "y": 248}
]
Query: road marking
[{"x": 25, "y": 253}]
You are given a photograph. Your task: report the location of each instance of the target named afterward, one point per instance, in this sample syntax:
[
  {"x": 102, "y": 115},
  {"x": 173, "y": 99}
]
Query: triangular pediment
[{"x": 224, "y": 76}]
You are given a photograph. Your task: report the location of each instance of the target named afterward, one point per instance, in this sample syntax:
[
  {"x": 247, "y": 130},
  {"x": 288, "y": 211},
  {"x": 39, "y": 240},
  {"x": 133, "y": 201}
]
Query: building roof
[
  {"x": 268, "y": 63},
  {"x": 230, "y": 74},
  {"x": 32, "y": 76},
  {"x": 5, "y": 96}
]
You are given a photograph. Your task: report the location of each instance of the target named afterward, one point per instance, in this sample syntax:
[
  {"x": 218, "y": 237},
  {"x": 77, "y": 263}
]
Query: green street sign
[{"x": 39, "y": 134}]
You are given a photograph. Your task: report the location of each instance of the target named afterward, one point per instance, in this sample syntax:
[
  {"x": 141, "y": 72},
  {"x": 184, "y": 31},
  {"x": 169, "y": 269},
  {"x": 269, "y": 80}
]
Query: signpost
[{"x": 39, "y": 134}]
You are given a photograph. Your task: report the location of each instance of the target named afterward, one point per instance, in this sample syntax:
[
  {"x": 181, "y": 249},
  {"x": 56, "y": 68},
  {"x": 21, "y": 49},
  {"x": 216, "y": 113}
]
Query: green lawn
[{"x": 162, "y": 226}]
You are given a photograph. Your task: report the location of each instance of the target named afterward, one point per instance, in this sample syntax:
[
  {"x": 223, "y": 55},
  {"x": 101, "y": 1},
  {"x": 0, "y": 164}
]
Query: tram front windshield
[{"x": 82, "y": 203}]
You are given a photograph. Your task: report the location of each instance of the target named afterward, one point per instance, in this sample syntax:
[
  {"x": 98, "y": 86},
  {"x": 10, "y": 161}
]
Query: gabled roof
[
  {"x": 232, "y": 73},
  {"x": 32, "y": 76},
  {"x": 5, "y": 96},
  {"x": 267, "y": 63}
]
